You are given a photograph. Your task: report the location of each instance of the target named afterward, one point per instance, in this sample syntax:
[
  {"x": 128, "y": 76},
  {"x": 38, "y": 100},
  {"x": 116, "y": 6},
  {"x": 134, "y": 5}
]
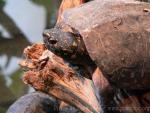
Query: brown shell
[{"x": 117, "y": 36}]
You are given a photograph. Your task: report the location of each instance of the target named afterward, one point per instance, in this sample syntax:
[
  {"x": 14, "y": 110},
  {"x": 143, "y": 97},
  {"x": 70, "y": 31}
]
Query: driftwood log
[{"x": 49, "y": 73}]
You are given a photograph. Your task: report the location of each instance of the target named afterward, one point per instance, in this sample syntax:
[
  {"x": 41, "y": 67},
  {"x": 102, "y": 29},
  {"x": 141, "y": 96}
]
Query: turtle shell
[{"x": 116, "y": 34}]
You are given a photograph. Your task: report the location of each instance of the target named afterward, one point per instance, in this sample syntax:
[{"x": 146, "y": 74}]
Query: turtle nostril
[
  {"x": 52, "y": 41},
  {"x": 45, "y": 34}
]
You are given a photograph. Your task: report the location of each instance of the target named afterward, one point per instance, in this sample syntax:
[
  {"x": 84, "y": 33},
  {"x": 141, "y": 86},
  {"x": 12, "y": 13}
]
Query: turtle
[{"x": 111, "y": 35}]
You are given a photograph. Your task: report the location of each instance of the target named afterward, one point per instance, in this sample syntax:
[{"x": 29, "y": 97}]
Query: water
[{"x": 21, "y": 23}]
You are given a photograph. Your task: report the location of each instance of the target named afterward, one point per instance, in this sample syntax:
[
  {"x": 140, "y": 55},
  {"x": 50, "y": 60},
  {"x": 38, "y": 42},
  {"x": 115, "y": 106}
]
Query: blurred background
[{"x": 21, "y": 24}]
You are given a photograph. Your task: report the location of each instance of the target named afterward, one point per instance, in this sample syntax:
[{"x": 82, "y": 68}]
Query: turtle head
[
  {"x": 61, "y": 43},
  {"x": 69, "y": 46}
]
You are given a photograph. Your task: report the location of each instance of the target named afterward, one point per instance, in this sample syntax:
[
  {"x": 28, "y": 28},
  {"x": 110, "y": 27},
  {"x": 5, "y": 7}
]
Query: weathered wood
[{"x": 49, "y": 73}]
